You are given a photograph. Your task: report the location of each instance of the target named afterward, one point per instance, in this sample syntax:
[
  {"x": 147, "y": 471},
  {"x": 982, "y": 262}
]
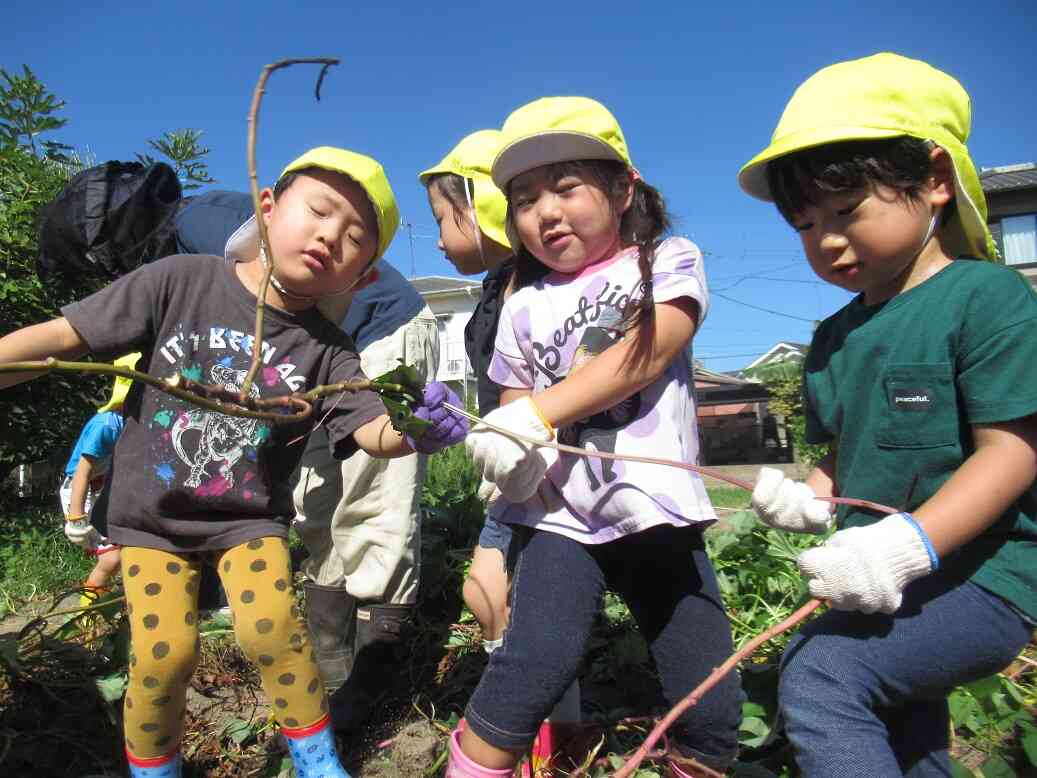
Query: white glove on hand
[
  {"x": 489, "y": 494},
  {"x": 515, "y": 468},
  {"x": 790, "y": 505},
  {"x": 82, "y": 533},
  {"x": 866, "y": 568}
]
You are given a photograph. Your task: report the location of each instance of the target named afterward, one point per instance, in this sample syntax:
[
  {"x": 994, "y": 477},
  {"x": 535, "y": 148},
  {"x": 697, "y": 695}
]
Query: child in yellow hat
[
  {"x": 471, "y": 213},
  {"x": 190, "y": 487},
  {"x": 592, "y": 349},
  {"x": 923, "y": 387},
  {"x": 84, "y": 477}
]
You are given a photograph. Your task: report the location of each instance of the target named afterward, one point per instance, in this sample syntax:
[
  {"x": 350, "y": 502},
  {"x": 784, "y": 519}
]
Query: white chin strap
[
  {"x": 282, "y": 290},
  {"x": 931, "y": 230},
  {"x": 475, "y": 221}
]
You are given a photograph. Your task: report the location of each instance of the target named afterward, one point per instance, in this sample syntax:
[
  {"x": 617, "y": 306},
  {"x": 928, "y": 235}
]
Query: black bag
[{"x": 109, "y": 219}]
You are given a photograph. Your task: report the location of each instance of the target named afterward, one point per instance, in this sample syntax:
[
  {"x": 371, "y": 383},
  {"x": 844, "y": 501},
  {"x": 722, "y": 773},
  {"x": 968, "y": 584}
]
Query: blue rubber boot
[
  {"x": 168, "y": 766},
  {"x": 313, "y": 751}
]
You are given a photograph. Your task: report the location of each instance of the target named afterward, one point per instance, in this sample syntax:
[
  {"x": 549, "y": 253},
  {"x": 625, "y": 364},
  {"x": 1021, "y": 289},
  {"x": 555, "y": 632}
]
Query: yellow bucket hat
[
  {"x": 121, "y": 387},
  {"x": 557, "y": 129},
  {"x": 472, "y": 158},
  {"x": 885, "y": 96},
  {"x": 366, "y": 172}
]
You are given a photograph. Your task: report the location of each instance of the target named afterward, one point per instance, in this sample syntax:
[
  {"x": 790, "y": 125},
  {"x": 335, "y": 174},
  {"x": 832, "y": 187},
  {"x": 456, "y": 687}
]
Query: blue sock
[
  {"x": 159, "y": 767},
  {"x": 313, "y": 751}
]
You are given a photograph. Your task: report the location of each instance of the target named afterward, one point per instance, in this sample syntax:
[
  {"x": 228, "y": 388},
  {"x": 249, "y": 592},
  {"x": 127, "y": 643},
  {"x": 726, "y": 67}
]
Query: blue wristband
[{"x": 934, "y": 560}]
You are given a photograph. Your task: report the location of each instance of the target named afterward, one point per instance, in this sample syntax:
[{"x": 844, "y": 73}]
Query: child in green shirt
[{"x": 922, "y": 386}]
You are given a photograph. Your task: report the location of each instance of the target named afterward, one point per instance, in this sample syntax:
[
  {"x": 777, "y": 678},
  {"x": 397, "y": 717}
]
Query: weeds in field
[{"x": 229, "y": 731}]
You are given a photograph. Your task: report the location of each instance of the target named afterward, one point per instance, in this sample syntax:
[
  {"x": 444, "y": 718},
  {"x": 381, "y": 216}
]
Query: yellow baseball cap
[
  {"x": 557, "y": 129},
  {"x": 472, "y": 158},
  {"x": 121, "y": 387},
  {"x": 366, "y": 172},
  {"x": 885, "y": 96}
]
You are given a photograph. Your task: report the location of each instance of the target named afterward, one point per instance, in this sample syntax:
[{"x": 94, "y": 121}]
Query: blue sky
[{"x": 697, "y": 91}]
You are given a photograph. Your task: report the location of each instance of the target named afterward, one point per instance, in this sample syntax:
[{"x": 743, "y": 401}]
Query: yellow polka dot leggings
[{"x": 162, "y": 602}]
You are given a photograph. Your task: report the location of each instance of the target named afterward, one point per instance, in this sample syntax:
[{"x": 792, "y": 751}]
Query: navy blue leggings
[{"x": 557, "y": 585}]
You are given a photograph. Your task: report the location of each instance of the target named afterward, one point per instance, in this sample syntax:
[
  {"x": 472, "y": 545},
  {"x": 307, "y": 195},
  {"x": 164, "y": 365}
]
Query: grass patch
[
  {"x": 728, "y": 497},
  {"x": 35, "y": 557}
]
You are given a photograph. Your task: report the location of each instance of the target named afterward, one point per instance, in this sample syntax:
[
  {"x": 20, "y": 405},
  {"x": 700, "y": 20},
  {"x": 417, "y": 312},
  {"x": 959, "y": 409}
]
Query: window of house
[{"x": 1019, "y": 237}]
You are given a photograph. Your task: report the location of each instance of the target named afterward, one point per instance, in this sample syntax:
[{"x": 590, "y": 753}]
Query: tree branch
[{"x": 264, "y": 241}]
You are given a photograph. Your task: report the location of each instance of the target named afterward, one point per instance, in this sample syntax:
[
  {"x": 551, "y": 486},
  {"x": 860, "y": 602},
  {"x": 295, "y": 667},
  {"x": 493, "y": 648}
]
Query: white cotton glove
[
  {"x": 489, "y": 494},
  {"x": 81, "y": 532},
  {"x": 866, "y": 568},
  {"x": 790, "y": 505},
  {"x": 515, "y": 468}
]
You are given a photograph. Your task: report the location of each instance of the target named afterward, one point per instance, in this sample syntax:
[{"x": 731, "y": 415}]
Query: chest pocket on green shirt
[{"x": 921, "y": 406}]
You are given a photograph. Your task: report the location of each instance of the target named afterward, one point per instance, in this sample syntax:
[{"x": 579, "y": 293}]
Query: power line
[
  {"x": 756, "y": 273},
  {"x": 728, "y": 356},
  {"x": 759, "y": 308}
]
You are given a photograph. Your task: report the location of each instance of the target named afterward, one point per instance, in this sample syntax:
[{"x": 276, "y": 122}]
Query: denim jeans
[
  {"x": 866, "y": 695},
  {"x": 557, "y": 585}
]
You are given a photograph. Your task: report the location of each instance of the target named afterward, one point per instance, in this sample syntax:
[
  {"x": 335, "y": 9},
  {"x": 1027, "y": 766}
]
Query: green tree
[
  {"x": 42, "y": 416},
  {"x": 26, "y": 110},
  {"x": 784, "y": 381},
  {"x": 181, "y": 147}
]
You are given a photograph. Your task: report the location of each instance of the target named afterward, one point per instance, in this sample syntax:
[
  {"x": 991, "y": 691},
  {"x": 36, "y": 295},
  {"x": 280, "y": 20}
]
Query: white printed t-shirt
[{"x": 550, "y": 329}]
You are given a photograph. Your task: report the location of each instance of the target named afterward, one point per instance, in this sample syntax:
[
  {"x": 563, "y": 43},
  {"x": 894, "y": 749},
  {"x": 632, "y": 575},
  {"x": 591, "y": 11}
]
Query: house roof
[
  {"x": 1009, "y": 177},
  {"x": 786, "y": 345},
  {"x": 713, "y": 377},
  {"x": 427, "y": 285}
]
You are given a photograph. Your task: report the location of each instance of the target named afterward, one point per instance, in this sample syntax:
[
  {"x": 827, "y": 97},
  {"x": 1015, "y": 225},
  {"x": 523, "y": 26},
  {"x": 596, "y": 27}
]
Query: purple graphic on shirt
[
  {"x": 552, "y": 328},
  {"x": 644, "y": 425},
  {"x": 668, "y": 503}
]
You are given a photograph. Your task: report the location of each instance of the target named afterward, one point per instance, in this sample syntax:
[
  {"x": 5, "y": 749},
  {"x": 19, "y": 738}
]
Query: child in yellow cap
[
  {"x": 83, "y": 480},
  {"x": 593, "y": 349},
  {"x": 189, "y": 487},
  {"x": 923, "y": 388},
  {"x": 471, "y": 213}
]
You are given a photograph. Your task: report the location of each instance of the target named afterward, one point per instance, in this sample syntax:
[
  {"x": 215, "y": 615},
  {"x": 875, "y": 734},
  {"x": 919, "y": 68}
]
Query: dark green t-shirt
[{"x": 897, "y": 387}]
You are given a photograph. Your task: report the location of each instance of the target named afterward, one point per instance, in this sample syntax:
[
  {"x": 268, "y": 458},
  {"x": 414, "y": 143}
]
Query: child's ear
[
  {"x": 940, "y": 182},
  {"x": 624, "y": 193},
  {"x": 266, "y": 203}
]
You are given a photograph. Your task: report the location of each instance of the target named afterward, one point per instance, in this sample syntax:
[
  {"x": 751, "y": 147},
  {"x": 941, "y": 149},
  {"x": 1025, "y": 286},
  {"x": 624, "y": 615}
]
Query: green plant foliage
[
  {"x": 988, "y": 714},
  {"x": 450, "y": 498},
  {"x": 784, "y": 381},
  {"x": 26, "y": 110},
  {"x": 401, "y": 405},
  {"x": 756, "y": 569},
  {"x": 35, "y": 557},
  {"x": 45, "y": 415},
  {"x": 181, "y": 147}
]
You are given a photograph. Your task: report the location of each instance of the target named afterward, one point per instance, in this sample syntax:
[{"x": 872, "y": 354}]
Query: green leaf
[
  {"x": 406, "y": 376},
  {"x": 962, "y": 706},
  {"x": 984, "y": 688},
  {"x": 400, "y": 405},
  {"x": 757, "y": 729},
  {"x": 238, "y": 730},
  {"x": 112, "y": 687},
  {"x": 996, "y": 767},
  {"x": 1029, "y": 742},
  {"x": 753, "y": 709},
  {"x": 958, "y": 770}
]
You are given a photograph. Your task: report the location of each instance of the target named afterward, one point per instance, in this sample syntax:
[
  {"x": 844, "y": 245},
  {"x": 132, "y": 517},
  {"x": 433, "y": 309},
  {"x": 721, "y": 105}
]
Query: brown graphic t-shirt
[{"x": 184, "y": 478}]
